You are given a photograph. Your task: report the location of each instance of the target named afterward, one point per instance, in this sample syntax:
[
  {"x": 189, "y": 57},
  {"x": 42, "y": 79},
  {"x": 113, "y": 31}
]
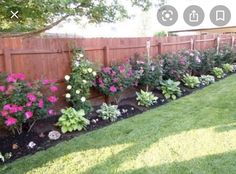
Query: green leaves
[
  {"x": 145, "y": 98},
  {"x": 191, "y": 81},
  {"x": 170, "y": 89},
  {"x": 109, "y": 112},
  {"x": 218, "y": 72},
  {"x": 72, "y": 120}
]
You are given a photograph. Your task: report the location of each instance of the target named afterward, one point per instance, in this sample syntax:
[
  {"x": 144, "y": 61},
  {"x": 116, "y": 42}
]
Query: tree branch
[{"x": 35, "y": 32}]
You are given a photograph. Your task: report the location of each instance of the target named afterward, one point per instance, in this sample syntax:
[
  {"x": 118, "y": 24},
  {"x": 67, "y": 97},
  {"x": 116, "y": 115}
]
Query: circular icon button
[
  {"x": 194, "y": 15},
  {"x": 167, "y": 15},
  {"x": 220, "y": 15}
]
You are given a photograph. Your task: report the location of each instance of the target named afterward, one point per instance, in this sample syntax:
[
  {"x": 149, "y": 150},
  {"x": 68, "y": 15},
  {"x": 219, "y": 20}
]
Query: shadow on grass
[
  {"x": 203, "y": 109},
  {"x": 226, "y": 128}
]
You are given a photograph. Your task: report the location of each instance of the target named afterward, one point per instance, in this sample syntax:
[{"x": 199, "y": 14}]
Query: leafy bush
[
  {"x": 226, "y": 55},
  {"x": 207, "y": 79},
  {"x": 80, "y": 81},
  {"x": 208, "y": 61},
  {"x": 23, "y": 103},
  {"x": 191, "y": 81},
  {"x": 150, "y": 73},
  {"x": 170, "y": 89},
  {"x": 113, "y": 80},
  {"x": 218, "y": 72},
  {"x": 227, "y": 68},
  {"x": 174, "y": 66},
  {"x": 72, "y": 120},
  {"x": 194, "y": 58},
  {"x": 109, "y": 112},
  {"x": 146, "y": 99}
]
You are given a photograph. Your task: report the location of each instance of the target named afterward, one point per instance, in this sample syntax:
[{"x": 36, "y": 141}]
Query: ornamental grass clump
[{"x": 23, "y": 103}]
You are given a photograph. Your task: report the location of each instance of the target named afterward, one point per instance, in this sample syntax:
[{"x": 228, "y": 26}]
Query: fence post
[
  {"x": 159, "y": 48},
  {"x": 232, "y": 42},
  {"x": 106, "y": 62},
  {"x": 192, "y": 47},
  {"x": 8, "y": 60},
  {"x": 148, "y": 46},
  {"x": 218, "y": 44}
]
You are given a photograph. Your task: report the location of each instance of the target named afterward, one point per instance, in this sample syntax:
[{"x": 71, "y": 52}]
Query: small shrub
[
  {"x": 228, "y": 68},
  {"x": 207, "y": 79},
  {"x": 174, "y": 66},
  {"x": 109, "y": 112},
  {"x": 146, "y": 99},
  {"x": 112, "y": 81},
  {"x": 218, "y": 72},
  {"x": 80, "y": 81},
  {"x": 170, "y": 89},
  {"x": 23, "y": 103},
  {"x": 150, "y": 73},
  {"x": 208, "y": 61},
  {"x": 191, "y": 81},
  {"x": 72, "y": 120}
]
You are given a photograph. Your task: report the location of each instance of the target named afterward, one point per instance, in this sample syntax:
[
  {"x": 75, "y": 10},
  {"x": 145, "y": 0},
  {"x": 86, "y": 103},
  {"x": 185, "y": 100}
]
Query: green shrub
[
  {"x": 228, "y": 68},
  {"x": 170, "y": 89},
  {"x": 191, "y": 81},
  {"x": 109, "y": 112},
  {"x": 72, "y": 120},
  {"x": 208, "y": 61},
  {"x": 146, "y": 99},
  {"x": 218, "y": 72},
  {"x": 80, "y": 81},
  {"x": 207, "y": 79},
  {"x": 150, "y": 73}
]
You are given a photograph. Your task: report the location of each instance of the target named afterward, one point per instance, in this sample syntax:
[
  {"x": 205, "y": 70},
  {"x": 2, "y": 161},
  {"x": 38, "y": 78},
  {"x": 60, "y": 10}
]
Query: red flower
[
  {"x": 10, "y": 121},
  {"x": 52, "y": 99},
  {"x": 28, "y": 114}
]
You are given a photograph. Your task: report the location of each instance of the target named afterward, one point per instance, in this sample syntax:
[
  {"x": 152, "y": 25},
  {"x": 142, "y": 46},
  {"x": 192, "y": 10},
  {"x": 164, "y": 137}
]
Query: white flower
[
  {"x": 76, "y": 64},
  {"x": 90, "y": 70},
  {"x": 84, "y": 81},
  {"x": 94, "y": 73},
  {"x": 68, "y": 95},
  {"x": 83, "y": 99},
  {"x": 77, "y": 91},
  {"x": 81, "y": 55},
  {"x": 67, "y": 77},
  {"x": 69, "y": 87}
]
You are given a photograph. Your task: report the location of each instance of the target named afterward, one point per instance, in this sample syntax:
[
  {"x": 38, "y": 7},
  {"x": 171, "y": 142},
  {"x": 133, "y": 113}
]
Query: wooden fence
[{"x": 50, "y": 57}]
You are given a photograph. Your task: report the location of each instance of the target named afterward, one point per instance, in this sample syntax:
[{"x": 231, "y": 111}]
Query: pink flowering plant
[
  {"x": 23, "y": 103},
  {"x": 112, "y": 81}
]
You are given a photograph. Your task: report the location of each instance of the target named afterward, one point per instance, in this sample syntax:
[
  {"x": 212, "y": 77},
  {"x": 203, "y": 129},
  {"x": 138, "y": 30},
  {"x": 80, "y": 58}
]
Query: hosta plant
[
  {"x": 72, "y": 120},
  {"x": 207, "y": 79},
  {"x": 228, "y": 68},
  {"x": 170, "y": 89},
  {"x": 218, "y": 72},
  {"x": 109, "y": 112},
  {"x": 80, "y": 81},
  {"x": 190, "y": 81},
  {"x": 145, "y": 98},
  {"x": 23, "y": 103}
]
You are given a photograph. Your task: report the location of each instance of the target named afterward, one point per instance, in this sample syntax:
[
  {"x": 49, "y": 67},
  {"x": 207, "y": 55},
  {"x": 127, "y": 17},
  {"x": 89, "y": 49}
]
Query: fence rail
[{"x": 50, "y": 57}]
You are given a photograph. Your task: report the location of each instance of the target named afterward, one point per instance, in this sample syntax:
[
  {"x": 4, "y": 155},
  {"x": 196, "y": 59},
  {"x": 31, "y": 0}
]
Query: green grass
[{"x": 195, "y": 134}]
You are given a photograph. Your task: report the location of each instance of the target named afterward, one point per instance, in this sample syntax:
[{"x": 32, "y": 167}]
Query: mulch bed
[{"x": 39, "y": 135}]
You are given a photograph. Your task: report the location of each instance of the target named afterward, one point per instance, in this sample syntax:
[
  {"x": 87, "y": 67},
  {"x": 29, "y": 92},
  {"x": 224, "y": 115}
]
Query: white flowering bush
[{"x": 80, "y": 81}]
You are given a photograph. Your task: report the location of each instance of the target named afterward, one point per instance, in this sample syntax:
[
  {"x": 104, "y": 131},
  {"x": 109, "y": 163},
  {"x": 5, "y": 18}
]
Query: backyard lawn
[{"x": 195, "y": 134}]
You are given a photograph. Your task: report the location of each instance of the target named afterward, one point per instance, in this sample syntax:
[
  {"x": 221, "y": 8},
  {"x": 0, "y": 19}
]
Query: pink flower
[
  {"x": 113, "y": 73},
  {"x": 7, "y": 107},
  {"x": 122, "y": 68},
  {"x": 113, "y": 89},
  {"x": 52, "y": 99},
  {"x": 19, "y": 76},
  {"x": 46, "y": 82},
  {"x": 41, "y": 103},
  {"x": 20, "y": 108},
  {"x": 53, "y": 88},
  {"x": 28, "y": 114},
  {"x": 29, "y": 104},
  {"x": 31, "y": 97},
  {"x": 10, "y": 121},
  {"x": 115, "y": 80},
  {"x": 2, "y": 88},
  {"x": 4, "y": 113},
  {"x": 13, "y": 109},
  {"x": 51, "y": 112},
  {"x": 106, "y": 69},
  {"x": 198, "y": 60},
  {"x": 11, "y": 79},
  {"x": 100, "y": 81}
]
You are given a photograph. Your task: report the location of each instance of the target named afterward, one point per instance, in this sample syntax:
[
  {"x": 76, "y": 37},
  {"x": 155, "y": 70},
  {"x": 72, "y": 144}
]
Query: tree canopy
[{"x": 36, "y": 16}]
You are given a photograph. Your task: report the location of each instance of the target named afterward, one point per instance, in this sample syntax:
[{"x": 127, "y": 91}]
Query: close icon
[
  {"x": 14, "y": 14},
  {"x": 167, "y": 15}
]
